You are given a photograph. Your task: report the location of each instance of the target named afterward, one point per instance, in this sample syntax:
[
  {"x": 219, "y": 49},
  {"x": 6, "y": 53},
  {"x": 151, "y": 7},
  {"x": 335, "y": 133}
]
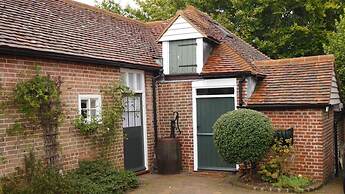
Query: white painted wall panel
[
  {"x": 207, "y": 51},
  {"x": 165, "y": 53},
  {"x": 199, "y": 54},
  {"x": 251, "y": 84},
  {"x": 180, "y": 30}
]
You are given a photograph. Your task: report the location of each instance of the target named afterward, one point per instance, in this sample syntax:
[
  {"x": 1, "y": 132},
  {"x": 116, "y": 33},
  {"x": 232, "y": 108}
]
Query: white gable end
[{"x": 180, "y": 30}]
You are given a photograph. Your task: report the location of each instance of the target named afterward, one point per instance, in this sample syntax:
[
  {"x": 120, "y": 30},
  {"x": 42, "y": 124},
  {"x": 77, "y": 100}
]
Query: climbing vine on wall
[
  {"x": 38, "y": 100},
  {"x": 104, "y": 129}
]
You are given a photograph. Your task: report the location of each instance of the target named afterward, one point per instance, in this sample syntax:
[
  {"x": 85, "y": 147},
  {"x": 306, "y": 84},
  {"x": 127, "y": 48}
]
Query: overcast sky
[{"x": 123, "y": 3}]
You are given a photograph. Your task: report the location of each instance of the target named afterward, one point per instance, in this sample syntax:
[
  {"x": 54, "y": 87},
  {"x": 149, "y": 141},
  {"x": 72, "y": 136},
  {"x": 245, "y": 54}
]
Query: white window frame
[
  {"x": 211, "y": 83},
  {"x": 88, "y": 97},
  {"x": 142, "y": 91},
  {"x": 126, "y": 73}
]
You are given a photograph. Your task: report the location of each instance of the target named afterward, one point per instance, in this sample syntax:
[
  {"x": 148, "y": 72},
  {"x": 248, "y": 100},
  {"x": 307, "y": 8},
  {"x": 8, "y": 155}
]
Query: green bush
[
  {"x": 297, "y": 183},
  {"x": 92, "y": 177},
  {"x": 243, "y": 136},
  {"x": 277, "y": 161},
  {"x": 96, "y": 177},
  {"x": 36, "y": 179}
]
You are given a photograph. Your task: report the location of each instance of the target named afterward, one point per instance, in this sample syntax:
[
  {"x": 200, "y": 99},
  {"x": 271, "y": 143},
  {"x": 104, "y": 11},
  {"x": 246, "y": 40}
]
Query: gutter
[
  {"x": 24, "y": 52},
  {"x": 287, "y": 105},
  {"x": 230, "y": 75}
]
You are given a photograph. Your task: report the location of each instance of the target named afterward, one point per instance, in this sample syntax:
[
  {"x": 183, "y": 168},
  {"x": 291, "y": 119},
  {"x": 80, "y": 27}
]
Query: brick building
[{"x": 189, "y": 64}]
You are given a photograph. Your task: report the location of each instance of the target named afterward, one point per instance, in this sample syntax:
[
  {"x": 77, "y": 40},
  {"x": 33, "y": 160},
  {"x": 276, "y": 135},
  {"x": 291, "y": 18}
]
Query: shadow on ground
[{"x": 197, "y": 184}]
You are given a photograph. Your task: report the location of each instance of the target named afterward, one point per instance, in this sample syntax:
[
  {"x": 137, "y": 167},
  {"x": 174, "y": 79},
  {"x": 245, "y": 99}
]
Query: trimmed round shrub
[{"x": 243, "y": 135}]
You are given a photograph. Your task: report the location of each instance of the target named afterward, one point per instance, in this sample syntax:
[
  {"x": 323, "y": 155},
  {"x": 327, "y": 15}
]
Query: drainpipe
[
  {"x": 154, "y": 106},
  {"x": 155, "y": 125},
  {"x": 240, "y": 89}
]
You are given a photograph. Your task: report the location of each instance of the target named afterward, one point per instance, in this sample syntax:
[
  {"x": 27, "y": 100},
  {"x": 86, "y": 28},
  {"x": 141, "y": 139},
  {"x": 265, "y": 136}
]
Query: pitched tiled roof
[
  {"x": 67, "y": 27},
  {"x": 296, "y": 81},
  {"x": 157, "y": 27},
  {"x": 214, "y": 31},
  {"x": 225, "y": 59}
]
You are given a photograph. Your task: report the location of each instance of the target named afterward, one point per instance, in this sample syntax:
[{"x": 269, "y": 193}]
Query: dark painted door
[
  {"x": 208, "y": 111},
  {"x": 133, "y": 134}
]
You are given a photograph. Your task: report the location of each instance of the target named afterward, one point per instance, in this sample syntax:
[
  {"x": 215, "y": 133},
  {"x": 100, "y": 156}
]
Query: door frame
[
  {"x": 143, "y": 98},
  {"x": 209, "y": 83}
]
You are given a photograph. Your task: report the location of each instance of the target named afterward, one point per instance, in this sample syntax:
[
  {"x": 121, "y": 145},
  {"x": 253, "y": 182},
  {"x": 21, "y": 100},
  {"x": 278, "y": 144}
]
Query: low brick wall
[{"x": 313, "y": 139}]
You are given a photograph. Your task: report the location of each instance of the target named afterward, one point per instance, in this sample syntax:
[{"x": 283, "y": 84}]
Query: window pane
[
  {"x": 123, "y": 79},
  {"x": 125, "y": 119},
  {"x": 131, "y": 119},
  {"x": 139, "y": 81},
  {"x": 125, "y": 103},
  {"x": 131, "y": 105},
  {"x": 137, "y": 103},
  {"x": 93, "y": 102},
  {"x": 137, "y": 119},
  {"x": 83, "y": 104},
  {"x": 215, "y": 91},
  {"x": 84, "y": 113},
  {"x": 131, "y": 81},
  {"x": 93, "y": 113}
]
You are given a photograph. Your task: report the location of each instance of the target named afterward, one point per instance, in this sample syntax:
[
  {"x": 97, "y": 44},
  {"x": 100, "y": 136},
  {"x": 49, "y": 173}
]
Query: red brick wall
[
  {"x": 149, "y": 117},
  {"x": 77, "y": 79},
  {"x": 177, "y": 96},
  {"x": 313, "y": 139},
  {"x": 313, "y": 130}
]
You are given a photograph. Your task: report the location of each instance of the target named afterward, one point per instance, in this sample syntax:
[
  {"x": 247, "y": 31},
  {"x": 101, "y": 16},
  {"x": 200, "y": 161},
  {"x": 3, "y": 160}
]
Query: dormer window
[
  {"x": 182, "y": 48},
  {"x": 182, "y": 56}
]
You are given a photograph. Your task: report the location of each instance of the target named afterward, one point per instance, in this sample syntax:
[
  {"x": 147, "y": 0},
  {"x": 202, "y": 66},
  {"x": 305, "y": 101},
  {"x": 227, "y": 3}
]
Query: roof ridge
[
  {"x": 101, "y": 11},
  {"x": 295, "y": 60},
  {"x": 154, "y": 22}
]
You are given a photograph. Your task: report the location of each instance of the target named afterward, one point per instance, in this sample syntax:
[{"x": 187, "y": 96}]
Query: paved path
[{"x": 196, "y": 184}]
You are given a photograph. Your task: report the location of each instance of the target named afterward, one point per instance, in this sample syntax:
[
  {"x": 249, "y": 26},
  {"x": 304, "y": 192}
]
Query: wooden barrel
[{"x": 168, "y": 156}]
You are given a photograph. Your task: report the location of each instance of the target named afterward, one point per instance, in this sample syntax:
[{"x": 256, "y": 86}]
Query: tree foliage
[
  {"x": 279, "y": 28},
  {"x": 336, "y": 46}
]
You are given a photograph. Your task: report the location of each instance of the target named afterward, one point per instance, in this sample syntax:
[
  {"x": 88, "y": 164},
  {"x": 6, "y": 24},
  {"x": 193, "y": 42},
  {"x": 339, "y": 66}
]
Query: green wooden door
[
  {"x": 208, "y": 111},
  {"x": 133, "y": 134}
]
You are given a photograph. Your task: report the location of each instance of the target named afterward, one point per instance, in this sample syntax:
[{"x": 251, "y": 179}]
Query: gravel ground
[{"x": 206, "y": 184}]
